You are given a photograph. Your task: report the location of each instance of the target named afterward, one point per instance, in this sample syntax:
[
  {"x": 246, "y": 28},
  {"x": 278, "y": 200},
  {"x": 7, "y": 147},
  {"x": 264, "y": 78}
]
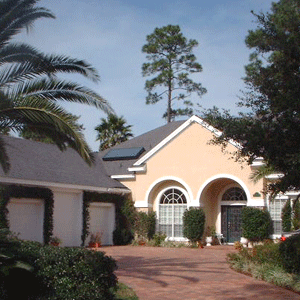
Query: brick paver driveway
[{"x": 184, "y": 273}]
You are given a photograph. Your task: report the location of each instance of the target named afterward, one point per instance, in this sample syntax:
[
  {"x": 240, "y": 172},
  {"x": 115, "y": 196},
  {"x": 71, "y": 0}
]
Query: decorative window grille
[
  {"x": 171, "y": 208},
  {"x": 234, "y": 194}
]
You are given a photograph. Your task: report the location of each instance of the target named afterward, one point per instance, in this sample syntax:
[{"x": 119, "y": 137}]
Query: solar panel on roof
[{"x": 123, "y": 153}]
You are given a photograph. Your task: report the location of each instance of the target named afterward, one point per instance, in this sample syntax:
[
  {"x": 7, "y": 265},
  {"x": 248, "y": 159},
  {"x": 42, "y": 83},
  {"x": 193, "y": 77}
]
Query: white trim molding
[
  {"x": 123, "y": 177},
  {"x": 63, "y": 186},
  {"x": 139, "y": 169},
  {"x": 169, "y": 178},
  {"x": 225, "y": 176}
]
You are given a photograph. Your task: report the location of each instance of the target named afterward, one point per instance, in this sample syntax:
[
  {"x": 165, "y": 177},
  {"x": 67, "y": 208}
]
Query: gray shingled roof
[
  {"x": 46, "y": 163},
  {"x": 147, "y": 140}
]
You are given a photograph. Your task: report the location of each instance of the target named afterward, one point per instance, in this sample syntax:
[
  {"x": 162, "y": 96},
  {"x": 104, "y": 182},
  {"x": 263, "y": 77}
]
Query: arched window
[
  {"x": 234, "y": 194},
  {"x": 172, "y": 205}
]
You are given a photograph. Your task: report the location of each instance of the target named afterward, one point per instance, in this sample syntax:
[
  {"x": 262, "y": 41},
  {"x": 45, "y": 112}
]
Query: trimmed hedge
[
  {"x": 257, "y": 224},
  {"x": 286, "y": 216},
  {"x": 193, "y": 224},
  {"x": 290, "y": 254},
  {"x": 66, "y": 273},
  {"x": 145, "y": 225}
]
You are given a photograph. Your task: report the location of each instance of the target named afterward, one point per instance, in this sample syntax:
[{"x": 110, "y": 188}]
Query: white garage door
[
  {"x": 102, "y": 219},
  {"x": 26, "y": 218}
]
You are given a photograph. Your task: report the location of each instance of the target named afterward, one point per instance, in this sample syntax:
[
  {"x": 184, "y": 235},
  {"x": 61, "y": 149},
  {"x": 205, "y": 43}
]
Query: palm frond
[
  {"x": 261, "y": 173},
  {"x": 45, "y": 64},
  {"x": 47, "y": 118},
  {"x": 18, "y": 14},
  {"x": 4, "y": 159},
  {"x": 55, "y": 90}
]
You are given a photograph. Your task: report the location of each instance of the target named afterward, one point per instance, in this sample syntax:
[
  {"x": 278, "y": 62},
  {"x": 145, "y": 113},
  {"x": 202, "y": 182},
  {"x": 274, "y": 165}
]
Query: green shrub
[
  {"x": 65, "y": 273},
  {"x": 193, "y": 224},
  {"x": 286, "y": 216},
  {"x": 158, "y": 238},
  {"x": 296, "y": 214},
  {"x": 145, "y": 225},
  {"x": 290, "y": 254},
  {"x": 256, "y": 224},
  {"x": 267, "y": 253},
  {"x": 122, "y": 236},
  {"x": 125, "y": 223}
]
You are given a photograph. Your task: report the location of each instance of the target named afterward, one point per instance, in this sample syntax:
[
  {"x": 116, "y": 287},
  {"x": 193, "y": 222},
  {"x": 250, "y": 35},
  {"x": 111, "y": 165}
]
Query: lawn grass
[{"x": 123, "y": 292}]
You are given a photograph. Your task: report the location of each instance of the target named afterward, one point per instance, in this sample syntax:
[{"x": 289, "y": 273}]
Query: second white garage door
[{"x": 102, "y": 219}]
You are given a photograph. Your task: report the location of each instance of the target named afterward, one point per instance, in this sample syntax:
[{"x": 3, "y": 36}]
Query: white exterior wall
[{"x": 67, "y": 216}]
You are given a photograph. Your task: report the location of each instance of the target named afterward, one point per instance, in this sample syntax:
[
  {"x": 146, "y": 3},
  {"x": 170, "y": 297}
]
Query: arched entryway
[
  {"x": 232, "y": 202},
  {"x": 222, "y": 199}
]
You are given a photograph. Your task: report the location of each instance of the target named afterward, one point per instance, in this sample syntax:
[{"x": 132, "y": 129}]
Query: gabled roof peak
[{"x": 187, "y": 123}]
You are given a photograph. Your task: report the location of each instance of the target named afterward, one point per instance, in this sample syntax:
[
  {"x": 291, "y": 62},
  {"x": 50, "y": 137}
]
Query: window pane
[{"x": 171, "y": 209}]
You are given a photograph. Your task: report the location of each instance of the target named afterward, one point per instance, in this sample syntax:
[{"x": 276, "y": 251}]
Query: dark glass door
[{"x": 231, "y": 223}]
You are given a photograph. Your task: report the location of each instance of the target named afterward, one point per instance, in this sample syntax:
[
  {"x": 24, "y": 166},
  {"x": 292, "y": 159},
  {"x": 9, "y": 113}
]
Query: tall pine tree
[{"x": 171, "y": 61}]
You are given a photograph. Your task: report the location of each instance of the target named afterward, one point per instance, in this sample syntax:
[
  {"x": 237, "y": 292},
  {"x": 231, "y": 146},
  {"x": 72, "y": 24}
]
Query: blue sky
[{"x": 109, "y": 34}]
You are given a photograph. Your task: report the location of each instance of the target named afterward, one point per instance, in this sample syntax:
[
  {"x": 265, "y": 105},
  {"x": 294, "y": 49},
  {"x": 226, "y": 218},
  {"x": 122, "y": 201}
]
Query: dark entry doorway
[{"x": 231, "y": 223}]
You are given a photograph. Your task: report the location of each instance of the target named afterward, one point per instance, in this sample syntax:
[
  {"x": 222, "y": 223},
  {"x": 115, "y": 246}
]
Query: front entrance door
[{"x": 231, "y": 223}]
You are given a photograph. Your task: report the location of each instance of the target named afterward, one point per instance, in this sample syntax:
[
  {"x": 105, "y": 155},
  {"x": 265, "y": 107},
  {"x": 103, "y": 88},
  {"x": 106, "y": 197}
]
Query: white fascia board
[
  {"x": 139, "y": 169},
  {"x": 274, "y": 176},
  {"x": 258, "y": 162},
  {"x": 54, "y": 185},
  {"x": 125, "y": 176},
  {"x": 193, "y": 119},
  {"x": 292, "y": 193},
  {"x": 142, "y": 204}
]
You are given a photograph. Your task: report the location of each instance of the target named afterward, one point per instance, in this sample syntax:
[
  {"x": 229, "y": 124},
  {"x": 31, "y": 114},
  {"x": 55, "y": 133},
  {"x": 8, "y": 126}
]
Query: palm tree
[
  {"x": 112, "y": 131},
  {"x": 30, "y": 89}
]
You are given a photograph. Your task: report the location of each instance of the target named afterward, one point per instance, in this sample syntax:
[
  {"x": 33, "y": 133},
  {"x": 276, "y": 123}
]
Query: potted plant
[
  {"x": 55, "y": 241},
  {"x": 95, "y": 240},
  {"x": 210, "y": 233}
]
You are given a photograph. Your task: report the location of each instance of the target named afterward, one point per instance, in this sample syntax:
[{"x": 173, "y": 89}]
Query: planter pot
[
  {"x": 244, "y": 241},
  {"x": 54, "y": 244},
  {"x": 142, "y": 243},
  {"x": 94, "y": 245},
  {"x": 208, "y": 240}
]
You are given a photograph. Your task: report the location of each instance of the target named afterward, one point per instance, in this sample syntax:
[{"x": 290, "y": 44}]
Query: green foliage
[
  {"x": 30, "y": 88},
  {"x": 67, "y": 273},
  {"x": 264, "y": 262},
  {"x": 125, "y": 222},
  {"x": 145, "y": 225},
  {"x": 193, "y": 224},
  {"x": 170, "y": 57},
  {"x": 112, "y": 131},
  {"x": 296, "y": 214},
  {"x": 33, "y": 133},
  {"x": 256, "y": 224},
  {"x": 271, "y": 101},
  {"x": 286, "y": 216},
  {"x": 123, "y": 292},
  {"x": 158, "y": 238},
  {"x": 290, "y": 253},
  {"x": 122, "y": 236}
]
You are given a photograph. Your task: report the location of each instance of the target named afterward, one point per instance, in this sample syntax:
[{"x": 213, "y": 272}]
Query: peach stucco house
[
  {"x": 166, "y": 170},
  {"x": 182, "y": 169}
]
